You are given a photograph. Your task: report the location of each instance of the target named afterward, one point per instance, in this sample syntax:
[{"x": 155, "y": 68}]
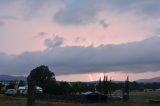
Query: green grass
[{"x": 136, "y": 99}]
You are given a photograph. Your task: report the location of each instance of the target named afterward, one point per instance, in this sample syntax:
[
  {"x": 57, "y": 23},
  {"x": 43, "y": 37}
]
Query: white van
[
  {"x": 23, "y": 90},
  {"x": 11, "y": 92}
]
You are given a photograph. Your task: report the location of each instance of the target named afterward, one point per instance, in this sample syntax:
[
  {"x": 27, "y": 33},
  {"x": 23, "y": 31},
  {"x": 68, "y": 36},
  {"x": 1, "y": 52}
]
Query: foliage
[
  {"x": 1, "y": 85},
  {"x": 51, "y": 87},
  {"x": 39, "y": 76},
  {"x": 126, "y": 85},
  {"x": 42, "y": 75},
  {"x": 11, "y": 85},
  {"x": 140, "y": 86},
  {"x": 31, "y": 92},
  {"x": 21, "y": 83},
  {"x": 126, "y": 90},
  {"x": 104, "y": 86},
  {"x": 78, "y": 87},
  {"x": 65, "y": 88}
]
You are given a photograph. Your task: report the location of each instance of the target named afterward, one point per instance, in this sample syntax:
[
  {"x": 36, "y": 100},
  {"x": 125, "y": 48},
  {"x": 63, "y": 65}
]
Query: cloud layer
[
  {"x": 85, "y": 12},
  {"x": 80, "y": 22},
  {"x": 135, "y": 57}
]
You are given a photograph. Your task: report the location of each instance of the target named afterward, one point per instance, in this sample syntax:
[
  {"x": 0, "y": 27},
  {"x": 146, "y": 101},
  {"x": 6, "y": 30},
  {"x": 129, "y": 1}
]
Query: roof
[
  {"x": 87, "y": 93},
  {"x": 25, "y": 87},
  {"x": 22, "y": 88},
  {"x": 91, "y": 93}
]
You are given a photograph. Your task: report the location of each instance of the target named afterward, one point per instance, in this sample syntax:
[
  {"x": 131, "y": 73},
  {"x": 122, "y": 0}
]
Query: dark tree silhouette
[
  {"x": 11, "y": 85},
  {"x": 41, "y": 75},
  {"x": 99, "y": 85},
  {"x": 21, "y": 83},
  {"x": 65, "y": 88},
  {"x": 126, "y": 86},
  {"x": 51, "y": 87},
  {"x": 126, "y": 90},
  {"x": 105, "y": 85},
  {"x": 31, "y": 91},
  {"x": 38, "y": 77},
  {"x": 1, "y": 85},
  {"x": 109, "y": 88}
]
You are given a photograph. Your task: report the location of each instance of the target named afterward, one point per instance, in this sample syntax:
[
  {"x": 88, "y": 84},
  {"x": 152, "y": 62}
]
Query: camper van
[
  {"x": 11, "y": 92},
  {"x": 22, "y": 90}
]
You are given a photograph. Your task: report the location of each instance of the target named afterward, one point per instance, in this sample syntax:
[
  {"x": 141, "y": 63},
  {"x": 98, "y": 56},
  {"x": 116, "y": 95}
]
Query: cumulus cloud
[
  {"x": 134, "y": 57},
  {"x": 55, "y": 42}
]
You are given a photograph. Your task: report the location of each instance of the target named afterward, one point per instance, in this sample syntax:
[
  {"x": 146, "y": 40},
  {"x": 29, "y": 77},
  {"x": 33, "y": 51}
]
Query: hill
[
  {"x": 8, "y": 77},
  {"x": 156, "y": 79}
]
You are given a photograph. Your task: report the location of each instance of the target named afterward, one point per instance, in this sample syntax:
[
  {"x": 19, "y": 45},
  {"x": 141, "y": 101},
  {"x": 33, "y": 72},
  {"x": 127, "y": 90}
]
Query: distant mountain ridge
[
  {"x": 8, "y": 77},
  {"x": 155, "y": 79}
]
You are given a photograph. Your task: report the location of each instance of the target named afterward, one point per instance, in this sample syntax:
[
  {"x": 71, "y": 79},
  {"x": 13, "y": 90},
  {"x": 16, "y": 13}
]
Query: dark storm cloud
[
  {"x": 78, "y": 12},
  {"x": 86, "y": 11},
  {"x": 151, "y": 9},
  {"x": 35, "y": 8},
  {"x": 135, "y": 57}
]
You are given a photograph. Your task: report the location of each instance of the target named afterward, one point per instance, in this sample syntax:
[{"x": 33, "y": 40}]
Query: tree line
[{"x": 44, "y": 78}]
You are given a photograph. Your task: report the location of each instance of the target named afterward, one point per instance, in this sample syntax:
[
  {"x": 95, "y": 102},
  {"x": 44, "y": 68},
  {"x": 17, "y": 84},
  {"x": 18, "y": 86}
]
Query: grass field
[{"x": 136, "y": 99}]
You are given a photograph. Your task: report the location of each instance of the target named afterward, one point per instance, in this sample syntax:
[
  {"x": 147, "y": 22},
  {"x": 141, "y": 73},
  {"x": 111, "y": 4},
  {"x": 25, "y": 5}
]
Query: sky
[{"x": 81, "y": 40}]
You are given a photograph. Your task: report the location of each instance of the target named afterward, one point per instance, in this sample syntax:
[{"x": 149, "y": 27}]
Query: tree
[
  {"x": 126, "y": 90},
  {"x": 1, "y": 85},
  {"x": 51, "y": 87},
  {"x": 31, "y": 91},
  {"x": 65, "y": 88},
  {"x": 126, "y": 86},
  {"x": 109, "y": 87},
  {"x": 41, "y": 75},
  {"x": 134, "y": 86},
  {"x": 11, "y": 85},
  {"x": 38, "y": 77},
  {"x": 21, "y": 83},
  {"x": 99, "y": 85},
  {"x": 104, "y": 85}
]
